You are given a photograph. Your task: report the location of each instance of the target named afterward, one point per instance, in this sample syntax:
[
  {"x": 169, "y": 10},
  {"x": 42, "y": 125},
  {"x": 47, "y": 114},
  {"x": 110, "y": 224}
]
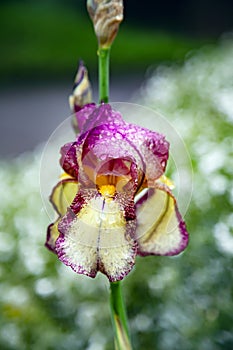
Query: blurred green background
[
  {"x": 44, "y": 40},
  {"x": 177, "y": 59}
]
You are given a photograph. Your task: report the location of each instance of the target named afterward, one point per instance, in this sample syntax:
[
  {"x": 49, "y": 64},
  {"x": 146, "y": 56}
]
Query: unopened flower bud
[
  {"x": 106, "y": 16},
  {"x": 82, "y": 93}
]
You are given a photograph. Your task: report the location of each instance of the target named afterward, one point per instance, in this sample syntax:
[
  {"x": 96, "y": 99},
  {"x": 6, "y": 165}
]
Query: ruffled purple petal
[
  {"x": 83, "y": 114},
  {"x": 92, "y": 115},
  {"x": 105, "y": 137},
  {"x": 108, "y": 136},
  {"x": 153, "y": 148},
  {"x": 68, "y": 160},
  {"x": 160, "y": 227},
  {"x": 106, "y": 150}
]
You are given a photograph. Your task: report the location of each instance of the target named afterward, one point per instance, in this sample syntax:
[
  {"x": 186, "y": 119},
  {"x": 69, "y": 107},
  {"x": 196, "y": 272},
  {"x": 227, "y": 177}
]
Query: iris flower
[{"x": 113, "y": 200}]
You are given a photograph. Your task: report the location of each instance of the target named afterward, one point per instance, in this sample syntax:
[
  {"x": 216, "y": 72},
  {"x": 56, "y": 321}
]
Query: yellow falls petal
[
  {"x": 63, "y": 195},
  {"x": 98, "y": 240}
]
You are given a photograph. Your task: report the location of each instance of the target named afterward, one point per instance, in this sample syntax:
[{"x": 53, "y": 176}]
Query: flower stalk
[
  {"x": 103, "y": 59},
  {"x": 100, "y": 224},
  {"x": 119, "y": 317},
  {"x": 117, "y": 306},
  {"x": 106, "y": 16}
]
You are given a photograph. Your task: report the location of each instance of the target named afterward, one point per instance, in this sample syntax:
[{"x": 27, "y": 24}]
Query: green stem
[
  {"x": 118, "y": 313},
  {"x": 104, "y": 55},
  {"x": 119, "y": 318}
]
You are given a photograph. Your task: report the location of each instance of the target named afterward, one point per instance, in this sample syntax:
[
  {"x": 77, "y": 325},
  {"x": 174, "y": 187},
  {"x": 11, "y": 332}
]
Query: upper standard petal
[
  {"x": 92, "y": 115},
  {"x": 153, "y": 148},
  {"x": 105, "y": 137},
  {"x": 68, "y": 160}
]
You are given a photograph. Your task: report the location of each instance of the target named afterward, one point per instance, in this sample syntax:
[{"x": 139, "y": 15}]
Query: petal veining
[{"x": 97, "y": 237}]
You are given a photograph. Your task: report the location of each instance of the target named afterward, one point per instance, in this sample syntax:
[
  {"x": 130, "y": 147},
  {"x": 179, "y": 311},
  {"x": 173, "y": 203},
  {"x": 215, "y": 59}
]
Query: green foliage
[{"x": 46, "y": 40}]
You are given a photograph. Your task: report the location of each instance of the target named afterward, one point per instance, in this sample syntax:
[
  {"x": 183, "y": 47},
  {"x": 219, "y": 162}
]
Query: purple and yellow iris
[{"x": 113, "y": 202}]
